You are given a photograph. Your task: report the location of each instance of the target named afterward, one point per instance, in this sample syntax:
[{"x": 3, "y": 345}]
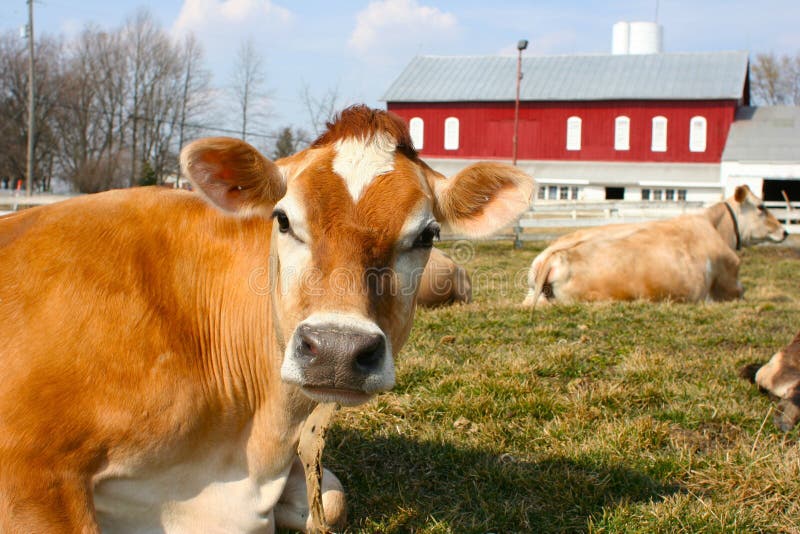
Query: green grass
[{"x": 622, "y": 417}]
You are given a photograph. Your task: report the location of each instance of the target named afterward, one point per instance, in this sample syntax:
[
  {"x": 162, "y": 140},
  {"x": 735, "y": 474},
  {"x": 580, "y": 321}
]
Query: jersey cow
[
  {"x": 444, "y": 282},
  {"x": 780, "y": 379},
  {"x": 162, "y": 348},
  {"x": 688, "y": 258}
]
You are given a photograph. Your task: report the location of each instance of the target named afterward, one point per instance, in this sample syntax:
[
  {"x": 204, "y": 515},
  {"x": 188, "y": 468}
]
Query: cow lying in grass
[
  {"x": 688, "y": 258},
  {"x": 780, "y": 379},
  {"x": 443, "y": 282},
  {"x": 163, "y": 348}
]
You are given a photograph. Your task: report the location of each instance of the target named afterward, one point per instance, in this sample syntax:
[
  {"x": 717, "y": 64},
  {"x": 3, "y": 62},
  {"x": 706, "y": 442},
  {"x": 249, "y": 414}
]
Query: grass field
[{"x": 624, "y": 417}]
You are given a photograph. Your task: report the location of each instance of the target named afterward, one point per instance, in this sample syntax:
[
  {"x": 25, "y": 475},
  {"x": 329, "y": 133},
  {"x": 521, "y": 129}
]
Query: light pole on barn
[{"x": 521, "y": 45}]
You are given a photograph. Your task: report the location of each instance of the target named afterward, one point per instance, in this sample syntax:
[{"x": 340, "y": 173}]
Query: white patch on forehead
[{"x": 358, "y": 161}]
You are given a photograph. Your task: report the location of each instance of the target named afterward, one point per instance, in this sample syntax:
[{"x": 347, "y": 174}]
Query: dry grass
[{"x": 625, "y": 417}]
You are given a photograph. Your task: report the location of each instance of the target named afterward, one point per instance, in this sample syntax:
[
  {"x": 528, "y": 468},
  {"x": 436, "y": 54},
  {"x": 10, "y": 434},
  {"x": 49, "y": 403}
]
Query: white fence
[
  {"x": 786, "y": 213},
  {"x": 12, "y": 202},
  {"x": 577, "y": 214}
]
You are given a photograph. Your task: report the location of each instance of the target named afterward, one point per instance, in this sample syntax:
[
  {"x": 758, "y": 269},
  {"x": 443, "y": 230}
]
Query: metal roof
[
  {"x": 683, "y": 76},
  {"x": 765, "y": 134}
]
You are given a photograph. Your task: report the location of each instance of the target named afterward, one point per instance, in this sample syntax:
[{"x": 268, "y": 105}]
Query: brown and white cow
[
  {"x": 780, "y": 379},
  {"x": 161, "y": 350},
  {"x": 443, "y": 282},
  {"x": 688, "y": 258}
]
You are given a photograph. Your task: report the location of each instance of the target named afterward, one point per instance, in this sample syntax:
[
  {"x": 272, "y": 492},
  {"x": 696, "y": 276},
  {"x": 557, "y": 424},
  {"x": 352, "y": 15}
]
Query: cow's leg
[
  {"x": 725, "y": 285},
  {"x": 292, "y": 508},
  {"x": 788, "y": 410},
  {"x": 33, "y": 501}
]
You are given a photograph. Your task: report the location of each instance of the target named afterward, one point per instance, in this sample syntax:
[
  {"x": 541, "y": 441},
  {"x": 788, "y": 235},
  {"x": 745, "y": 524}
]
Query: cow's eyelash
[
  {"x": 426, "y": 238},
  {"x": 284, "y": 226},
  {"x": 283, "y": 221}
]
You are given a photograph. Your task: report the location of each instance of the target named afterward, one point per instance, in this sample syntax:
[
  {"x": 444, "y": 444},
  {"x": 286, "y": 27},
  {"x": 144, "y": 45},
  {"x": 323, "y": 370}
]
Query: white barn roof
[
  {"x": 764, "y": 134},
  {"x": 683, "y": 76}
]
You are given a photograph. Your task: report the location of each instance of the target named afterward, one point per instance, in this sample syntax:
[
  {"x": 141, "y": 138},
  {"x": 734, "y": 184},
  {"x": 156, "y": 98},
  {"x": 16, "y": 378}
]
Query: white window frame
[
  {"x": 451, "y": 133},
  {"x": 416, "y": 128},
  {"x": 622, "y": 133},
  {"x": 574, "y": 126},
  {"x": 698, "y": 133},
  {"x": 659, "y": 134}
]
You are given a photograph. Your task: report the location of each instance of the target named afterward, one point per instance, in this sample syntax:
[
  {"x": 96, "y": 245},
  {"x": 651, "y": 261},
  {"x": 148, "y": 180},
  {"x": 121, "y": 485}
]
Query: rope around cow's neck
[
  {"x": 735, "y": 226},
  {"x": 312, "y": 441}
]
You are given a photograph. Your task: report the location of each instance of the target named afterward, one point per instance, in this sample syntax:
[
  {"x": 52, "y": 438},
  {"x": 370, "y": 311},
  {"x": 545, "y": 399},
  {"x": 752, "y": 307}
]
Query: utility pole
[{"x": 31, "y": 102}]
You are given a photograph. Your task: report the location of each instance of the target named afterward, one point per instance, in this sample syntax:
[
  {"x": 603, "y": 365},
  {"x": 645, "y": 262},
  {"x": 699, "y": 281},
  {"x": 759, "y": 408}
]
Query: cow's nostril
[
  {"x": 310, "y": 347},
  {"x": 310, "y": 343},
  {"x": 370, "y": 355}
]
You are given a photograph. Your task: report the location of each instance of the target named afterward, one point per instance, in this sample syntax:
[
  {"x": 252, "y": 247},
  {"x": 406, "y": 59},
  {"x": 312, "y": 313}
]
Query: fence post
[{"x": 517, "y": 235}]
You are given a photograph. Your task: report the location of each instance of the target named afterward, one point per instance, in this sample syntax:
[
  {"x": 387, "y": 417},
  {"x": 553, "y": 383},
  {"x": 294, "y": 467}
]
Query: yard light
[{"x": 522, "y": 44}]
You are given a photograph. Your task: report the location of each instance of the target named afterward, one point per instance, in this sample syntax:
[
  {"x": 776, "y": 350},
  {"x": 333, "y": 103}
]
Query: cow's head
[
  {"x": 354, "y": 218},
  {"x": 756, "y": 223}
]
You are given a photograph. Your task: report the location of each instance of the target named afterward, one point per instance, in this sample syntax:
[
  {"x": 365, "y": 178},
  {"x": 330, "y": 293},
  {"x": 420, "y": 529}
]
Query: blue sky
[{"x": 359, "y": 47}]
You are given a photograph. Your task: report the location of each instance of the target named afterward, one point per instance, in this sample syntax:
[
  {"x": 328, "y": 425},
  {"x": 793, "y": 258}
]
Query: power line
[{"x": 94, "y": 111}]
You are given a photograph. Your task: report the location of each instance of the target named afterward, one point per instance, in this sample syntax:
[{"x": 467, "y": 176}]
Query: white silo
[
  {"x": 620, "y": 38},
  {"x": 644, "y": 38}
]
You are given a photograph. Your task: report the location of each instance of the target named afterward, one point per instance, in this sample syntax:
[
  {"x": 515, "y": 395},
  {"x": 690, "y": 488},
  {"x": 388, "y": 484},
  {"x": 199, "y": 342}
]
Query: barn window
[
  {"x": 552, "y": 192},
  {"x": 451, "y": 133},
  {"x": 659, "y": 143},
  {"x": 682, "y": 195},
  {"x": 417, "y": 130},
  {"x": 574, "y": 133},
  {"x": 622, "y": 133},
  {"x": 645, "y": 194},
  {"x": 697, "y": 134},
  {"x": 541, "y": 192}
]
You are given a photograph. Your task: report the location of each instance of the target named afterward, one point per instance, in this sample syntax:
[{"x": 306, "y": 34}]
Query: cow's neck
[
  {"x": 238, "y": 353},
  {"x": 725, "y": 219}
]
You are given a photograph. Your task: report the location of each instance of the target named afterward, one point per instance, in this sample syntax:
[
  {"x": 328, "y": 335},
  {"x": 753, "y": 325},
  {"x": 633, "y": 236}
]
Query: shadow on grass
[{"x": 396, "y": 484}]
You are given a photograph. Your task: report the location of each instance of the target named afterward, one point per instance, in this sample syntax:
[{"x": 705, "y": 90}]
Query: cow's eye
[
  {"x": 426, "y": 237},
  {"x": 283, "y": 221}
]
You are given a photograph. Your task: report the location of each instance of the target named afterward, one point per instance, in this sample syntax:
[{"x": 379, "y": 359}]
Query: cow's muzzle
[{"x": 339, "y": 361}]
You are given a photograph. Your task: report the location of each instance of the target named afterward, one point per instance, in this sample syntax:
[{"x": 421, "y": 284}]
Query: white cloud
[
  {"x": 387, "y": 26},
  {"x": 199, "y": 16}
]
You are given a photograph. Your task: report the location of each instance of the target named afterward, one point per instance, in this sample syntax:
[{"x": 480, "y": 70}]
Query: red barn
[{"x": 639, "y": 127}]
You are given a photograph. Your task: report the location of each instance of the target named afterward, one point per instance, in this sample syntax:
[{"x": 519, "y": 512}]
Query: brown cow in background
[
  {"x": 688, "y": 258},
  {"x": 443, "y": 282},
  {"x": 780, "y": 379}
]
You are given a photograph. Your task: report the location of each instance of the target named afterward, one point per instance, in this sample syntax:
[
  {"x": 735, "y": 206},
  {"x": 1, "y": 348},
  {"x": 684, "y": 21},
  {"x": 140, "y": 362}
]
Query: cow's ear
[
  {"x": 482, "y": 198},
  {"x": 741, "y": 193},
  {"x": 232, "y": 174}
]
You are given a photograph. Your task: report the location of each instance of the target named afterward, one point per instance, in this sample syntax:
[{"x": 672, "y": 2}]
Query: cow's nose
[{"x": 341, "y": 352}]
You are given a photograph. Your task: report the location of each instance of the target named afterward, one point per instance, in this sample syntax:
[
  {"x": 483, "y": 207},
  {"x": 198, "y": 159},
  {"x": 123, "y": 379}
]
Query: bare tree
[
  {"x": 321, "y": 110},
  {"x": 93, "y": 119},
  {"x": 248, "y": 85},
  {"x": 195, "y": 91},
  {"x": 14, "y": 105},
  {"x": 776, "y": 79},
  {"x": 289, "y": 141}
]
